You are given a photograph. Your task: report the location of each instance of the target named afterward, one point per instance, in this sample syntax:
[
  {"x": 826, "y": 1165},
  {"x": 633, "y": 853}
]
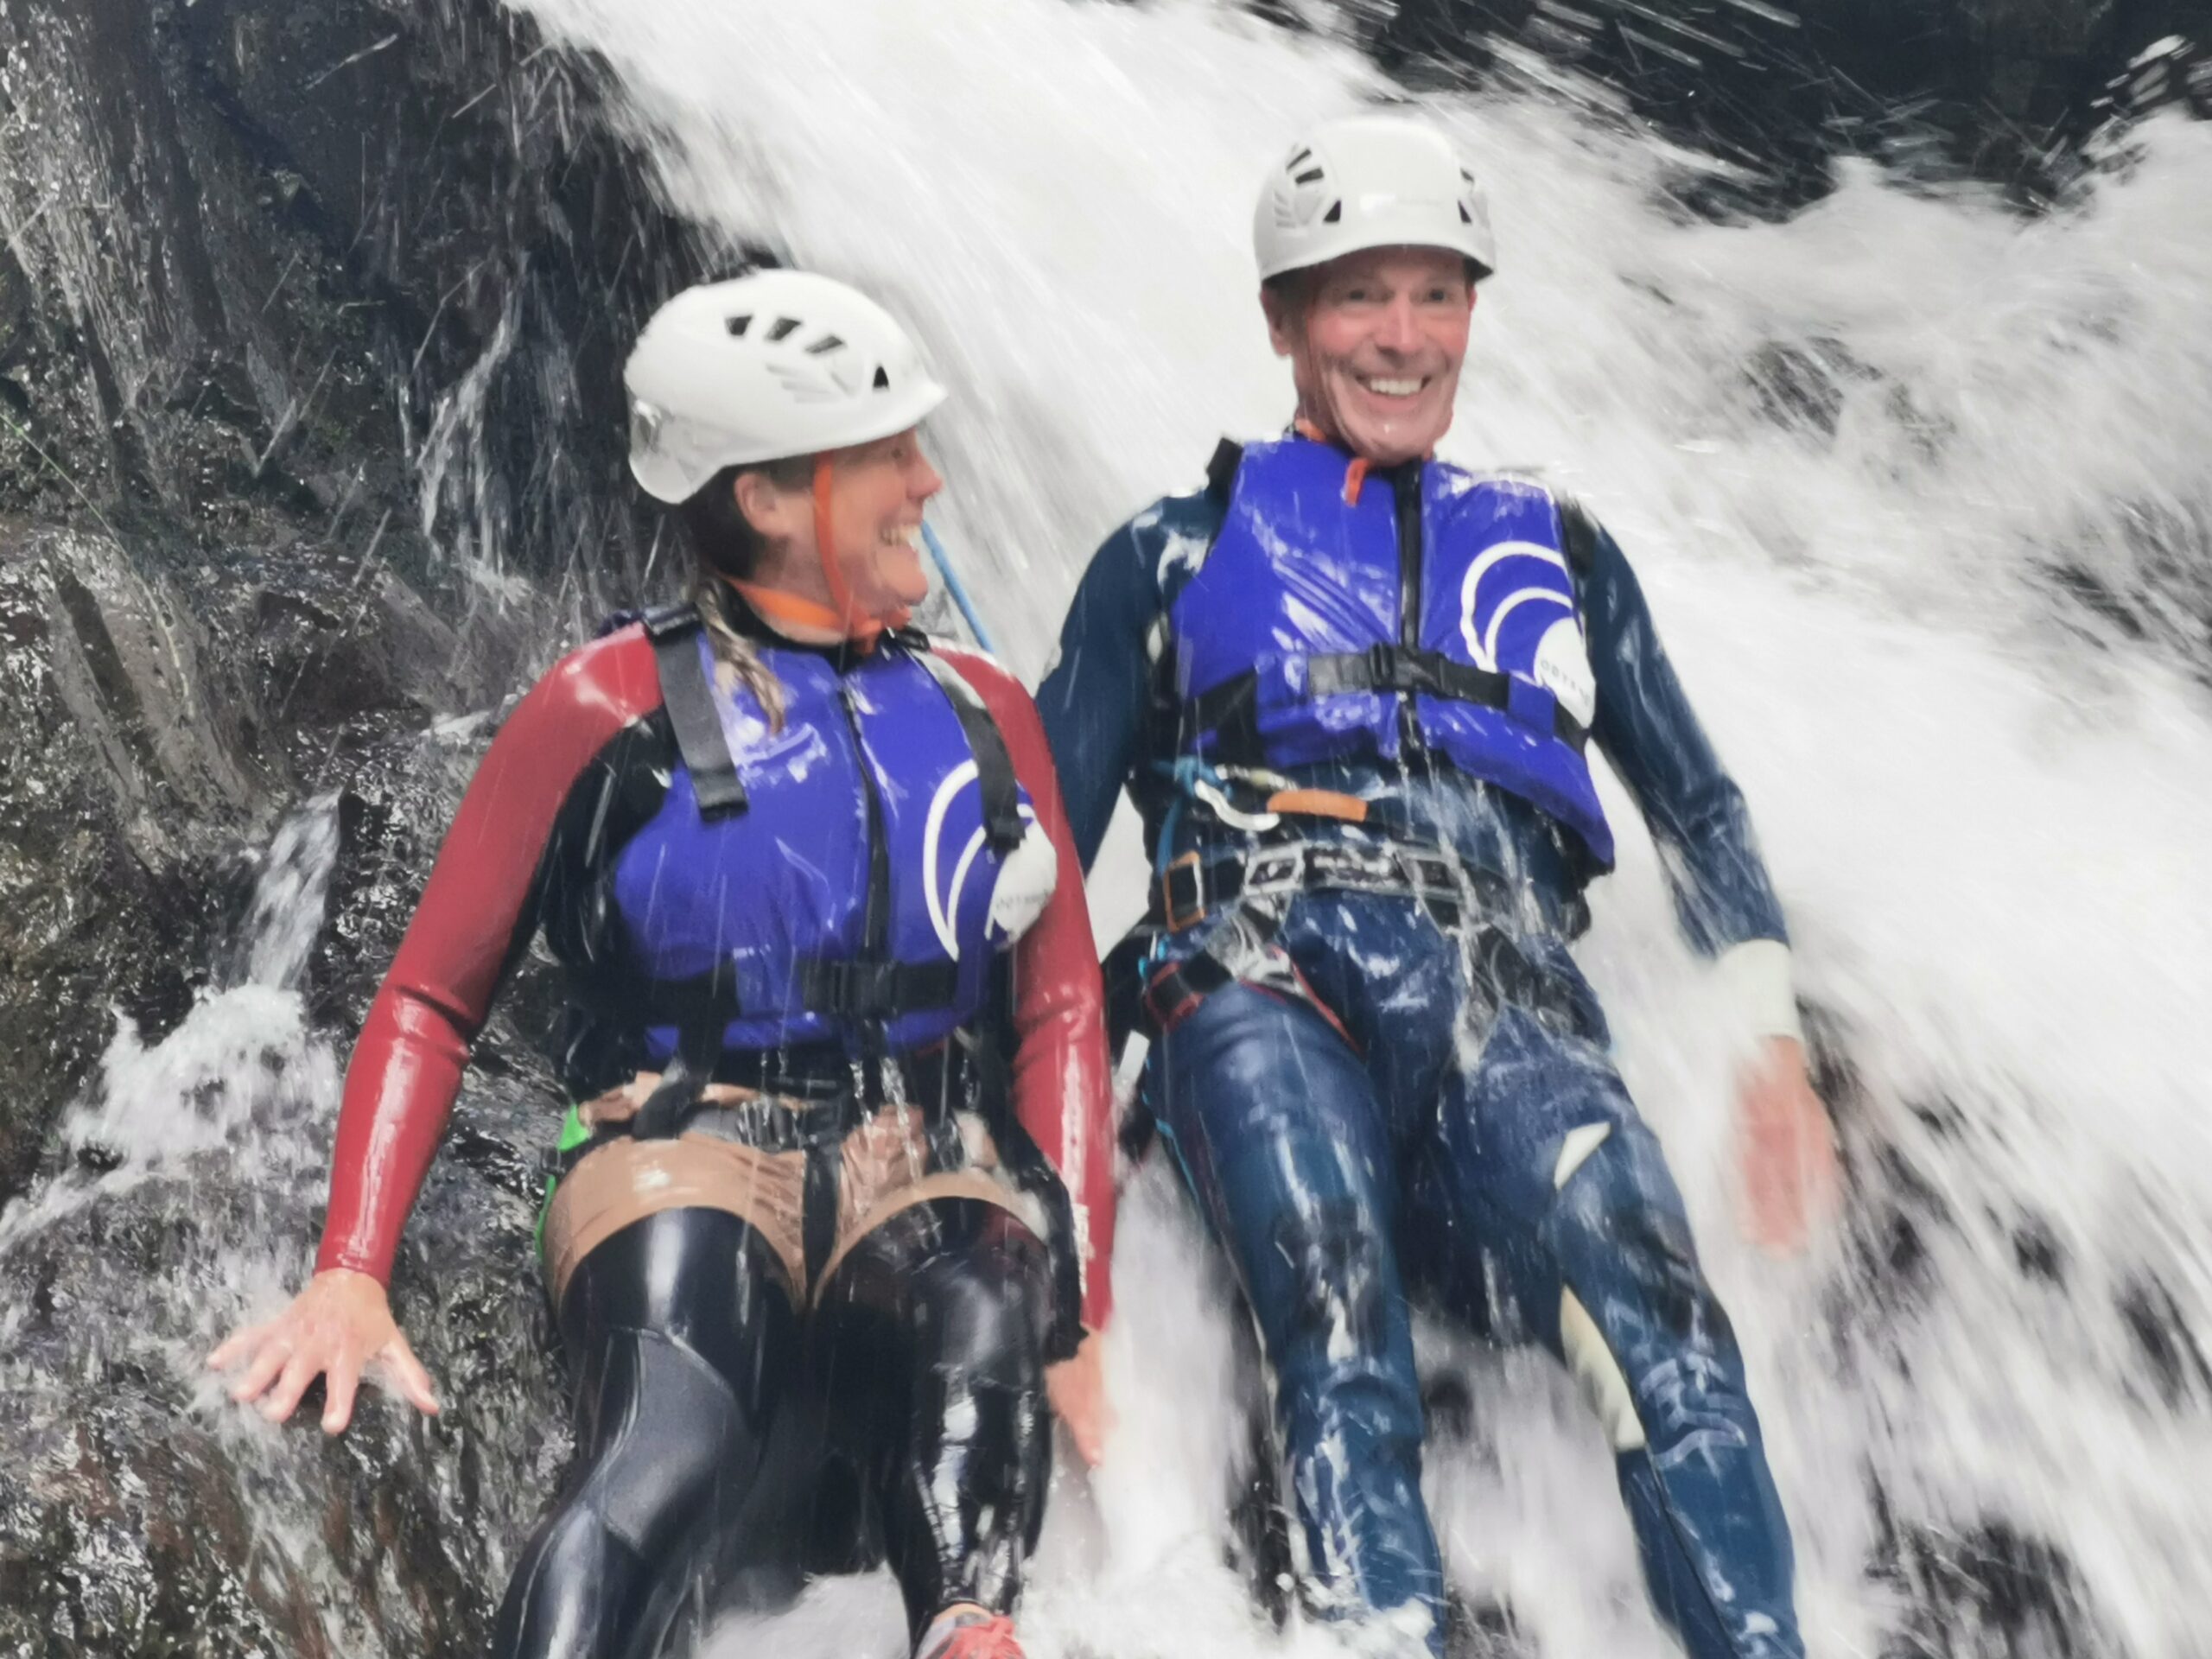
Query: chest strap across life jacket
[
  {"x": 1230, "y": 710},
  {"x": 869, "y": 990}
]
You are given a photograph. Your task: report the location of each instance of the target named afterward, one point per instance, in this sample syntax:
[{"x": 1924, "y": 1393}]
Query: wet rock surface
[
  {"x": 296, "y": 308},
  {"x": 2007, "y": 90}
]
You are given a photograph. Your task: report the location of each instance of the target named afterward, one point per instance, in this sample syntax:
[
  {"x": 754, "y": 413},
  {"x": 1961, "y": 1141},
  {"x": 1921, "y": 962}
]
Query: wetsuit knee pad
[
  {"x": 1638, "y": 1324},
  {"x": 576, "y": 1591}
]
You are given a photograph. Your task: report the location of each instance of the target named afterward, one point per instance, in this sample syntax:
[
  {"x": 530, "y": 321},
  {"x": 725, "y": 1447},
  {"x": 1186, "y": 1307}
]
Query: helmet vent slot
[
  {"x": 1310, "y": 175},
  {"x": 1465, "y": 218},
  {"x": 1336, "y": 212},
  {"x": 1296, "y": 159},
  {"x": 882, "y": 379},
  {"x": 782, "y": 328},
  {"x": 824, "y": 346},
  {"x": 737, "y": 326}
]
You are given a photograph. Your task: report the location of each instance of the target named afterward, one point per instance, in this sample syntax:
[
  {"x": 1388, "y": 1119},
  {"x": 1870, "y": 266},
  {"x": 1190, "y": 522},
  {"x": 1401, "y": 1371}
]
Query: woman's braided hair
[{"x": 724, "y": 543}]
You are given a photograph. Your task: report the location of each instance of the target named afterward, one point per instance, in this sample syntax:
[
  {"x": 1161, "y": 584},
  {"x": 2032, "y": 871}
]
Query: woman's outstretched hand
[
  {"x": 1077, "y": 1387},
  {"x": 340, "y": 1324}
]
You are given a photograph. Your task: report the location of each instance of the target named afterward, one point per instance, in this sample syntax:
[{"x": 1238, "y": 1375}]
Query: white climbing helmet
[
  {"x": 1371, "y": 181},
  {"x": 776, "y": 364}
]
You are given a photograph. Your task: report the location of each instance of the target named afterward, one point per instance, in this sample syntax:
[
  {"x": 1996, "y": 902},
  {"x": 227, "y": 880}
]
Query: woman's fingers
[
  {"x": 305, "y": 1365},
  {"x": 407, "y": 1373},
  {"x": 339, "y": 1318},
  {"x": 269, "y": 1357},
  {"x": 237, "y": 1347},
  {"x": 341, "y": 1381}
]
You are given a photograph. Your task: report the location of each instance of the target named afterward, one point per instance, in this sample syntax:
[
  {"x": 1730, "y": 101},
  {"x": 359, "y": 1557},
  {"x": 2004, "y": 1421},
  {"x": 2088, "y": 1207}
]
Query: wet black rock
[
  {"x": 310, "y": 320},
  {"x": 304, "y": 311},
  {"x": 2001, "y": 90}
]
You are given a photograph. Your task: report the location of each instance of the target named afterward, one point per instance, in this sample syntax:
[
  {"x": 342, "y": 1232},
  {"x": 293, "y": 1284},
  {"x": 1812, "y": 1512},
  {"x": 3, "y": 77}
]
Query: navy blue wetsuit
[{"x": 1432, "y": 1110}]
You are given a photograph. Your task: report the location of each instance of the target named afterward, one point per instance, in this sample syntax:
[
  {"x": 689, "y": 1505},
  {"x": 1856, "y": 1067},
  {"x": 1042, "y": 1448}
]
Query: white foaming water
[
  {"x": 243, "y": 1058},
  {"x": 1988, "y": 827}
]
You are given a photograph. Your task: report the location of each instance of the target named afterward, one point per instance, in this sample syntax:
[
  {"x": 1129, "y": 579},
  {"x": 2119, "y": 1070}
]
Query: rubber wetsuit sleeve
[
  {"x": 475, "y": 914},
  {"x": 1063, "y": 1091},
  {"x": 1093, "y": 701},
  {"x": 1645, "y": 726}
]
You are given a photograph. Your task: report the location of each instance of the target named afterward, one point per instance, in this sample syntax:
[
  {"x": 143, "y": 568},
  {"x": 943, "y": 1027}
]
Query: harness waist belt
[
  {"x": 1192, "y": 888},
  {"x": 800, "y": 1099}
]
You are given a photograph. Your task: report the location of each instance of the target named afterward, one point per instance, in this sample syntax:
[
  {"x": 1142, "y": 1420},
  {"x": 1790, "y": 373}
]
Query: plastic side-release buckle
[
  {"x": 1382, "y": 667},
  {"x": 670, "y": 621}
]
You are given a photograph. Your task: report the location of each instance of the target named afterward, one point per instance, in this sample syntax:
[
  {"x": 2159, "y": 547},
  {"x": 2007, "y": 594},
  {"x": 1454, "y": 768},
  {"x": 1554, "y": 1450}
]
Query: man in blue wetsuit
[{"x": 1352, "y": 690}]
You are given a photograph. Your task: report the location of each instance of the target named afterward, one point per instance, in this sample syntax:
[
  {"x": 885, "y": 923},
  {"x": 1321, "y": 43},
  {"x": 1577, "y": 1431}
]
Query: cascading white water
[
  {"x": 243, "y": 1052},
  {"x": 1987, "y": 822}
]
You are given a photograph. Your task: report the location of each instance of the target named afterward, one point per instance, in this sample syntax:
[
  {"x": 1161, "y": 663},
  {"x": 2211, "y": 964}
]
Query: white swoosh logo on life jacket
[
  {"x": 1019, "y": 890},
  {"x": 1560, "y": 661}
]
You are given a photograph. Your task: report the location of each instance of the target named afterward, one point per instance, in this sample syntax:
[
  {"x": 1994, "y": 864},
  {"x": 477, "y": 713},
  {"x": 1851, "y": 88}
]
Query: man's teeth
[
  {"x": 910, "y": 537},
  {"x": 1393, "y": 388}
]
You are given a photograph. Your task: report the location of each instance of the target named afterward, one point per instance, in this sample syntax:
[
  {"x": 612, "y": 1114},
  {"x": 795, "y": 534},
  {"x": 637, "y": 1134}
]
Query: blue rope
[{"x": 953, "y": 586}]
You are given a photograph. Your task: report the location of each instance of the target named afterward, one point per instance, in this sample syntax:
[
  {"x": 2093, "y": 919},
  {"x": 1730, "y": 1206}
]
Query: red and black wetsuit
[
  {"x": 680, "y": 1330},
  {"x": 583, "y": 759}
]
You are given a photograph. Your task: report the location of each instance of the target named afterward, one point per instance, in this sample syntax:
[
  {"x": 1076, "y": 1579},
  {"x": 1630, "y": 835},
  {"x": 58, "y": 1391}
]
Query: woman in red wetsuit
[{"x": 842, "y": 1145}]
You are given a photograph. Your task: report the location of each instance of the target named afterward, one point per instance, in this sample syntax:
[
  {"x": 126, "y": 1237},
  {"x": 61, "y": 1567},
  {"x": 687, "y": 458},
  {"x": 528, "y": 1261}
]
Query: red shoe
[{"x": 970, "y": 1634}]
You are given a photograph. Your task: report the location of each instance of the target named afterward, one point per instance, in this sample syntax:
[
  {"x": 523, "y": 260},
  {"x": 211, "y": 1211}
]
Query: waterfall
[{"x": 1922, "y": 492}]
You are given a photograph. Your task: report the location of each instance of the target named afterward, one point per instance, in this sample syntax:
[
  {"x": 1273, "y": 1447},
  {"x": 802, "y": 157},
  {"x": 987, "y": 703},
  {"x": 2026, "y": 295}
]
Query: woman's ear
[{"x": 776, "y": 515}]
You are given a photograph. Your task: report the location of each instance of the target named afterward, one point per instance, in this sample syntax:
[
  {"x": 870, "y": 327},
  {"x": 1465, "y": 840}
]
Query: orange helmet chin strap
[{"x": 841, "y": 617}]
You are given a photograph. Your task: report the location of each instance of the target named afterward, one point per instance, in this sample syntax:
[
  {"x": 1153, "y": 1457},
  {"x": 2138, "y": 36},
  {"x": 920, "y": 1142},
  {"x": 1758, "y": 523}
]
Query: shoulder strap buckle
[{"x": 675, "y": 621}]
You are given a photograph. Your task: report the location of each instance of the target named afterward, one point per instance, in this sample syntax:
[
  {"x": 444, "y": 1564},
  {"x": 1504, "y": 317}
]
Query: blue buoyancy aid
[
  {"x": 1292, "y": 644},
  {"x": 855, "y": 871}
]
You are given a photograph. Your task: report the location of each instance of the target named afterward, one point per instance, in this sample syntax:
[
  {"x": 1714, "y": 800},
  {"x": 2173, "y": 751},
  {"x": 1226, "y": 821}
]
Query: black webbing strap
[
  {"x": 825, "y": 1171},
  {"x": 881, "y": 991},
  {"x": 995, "y": 778},
  {"x": 1578, "y": 534},
  {"x": 836, "y": 988},
  {"x": 1221, "y": 470},
  {"x": 671, "y": 1104},
  {"x": 1233, "y": 704},
  {"x": 1399, "y": 667},
  {"x": 1176, "y": 989},
  {"x": 685, "y": 692}
]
